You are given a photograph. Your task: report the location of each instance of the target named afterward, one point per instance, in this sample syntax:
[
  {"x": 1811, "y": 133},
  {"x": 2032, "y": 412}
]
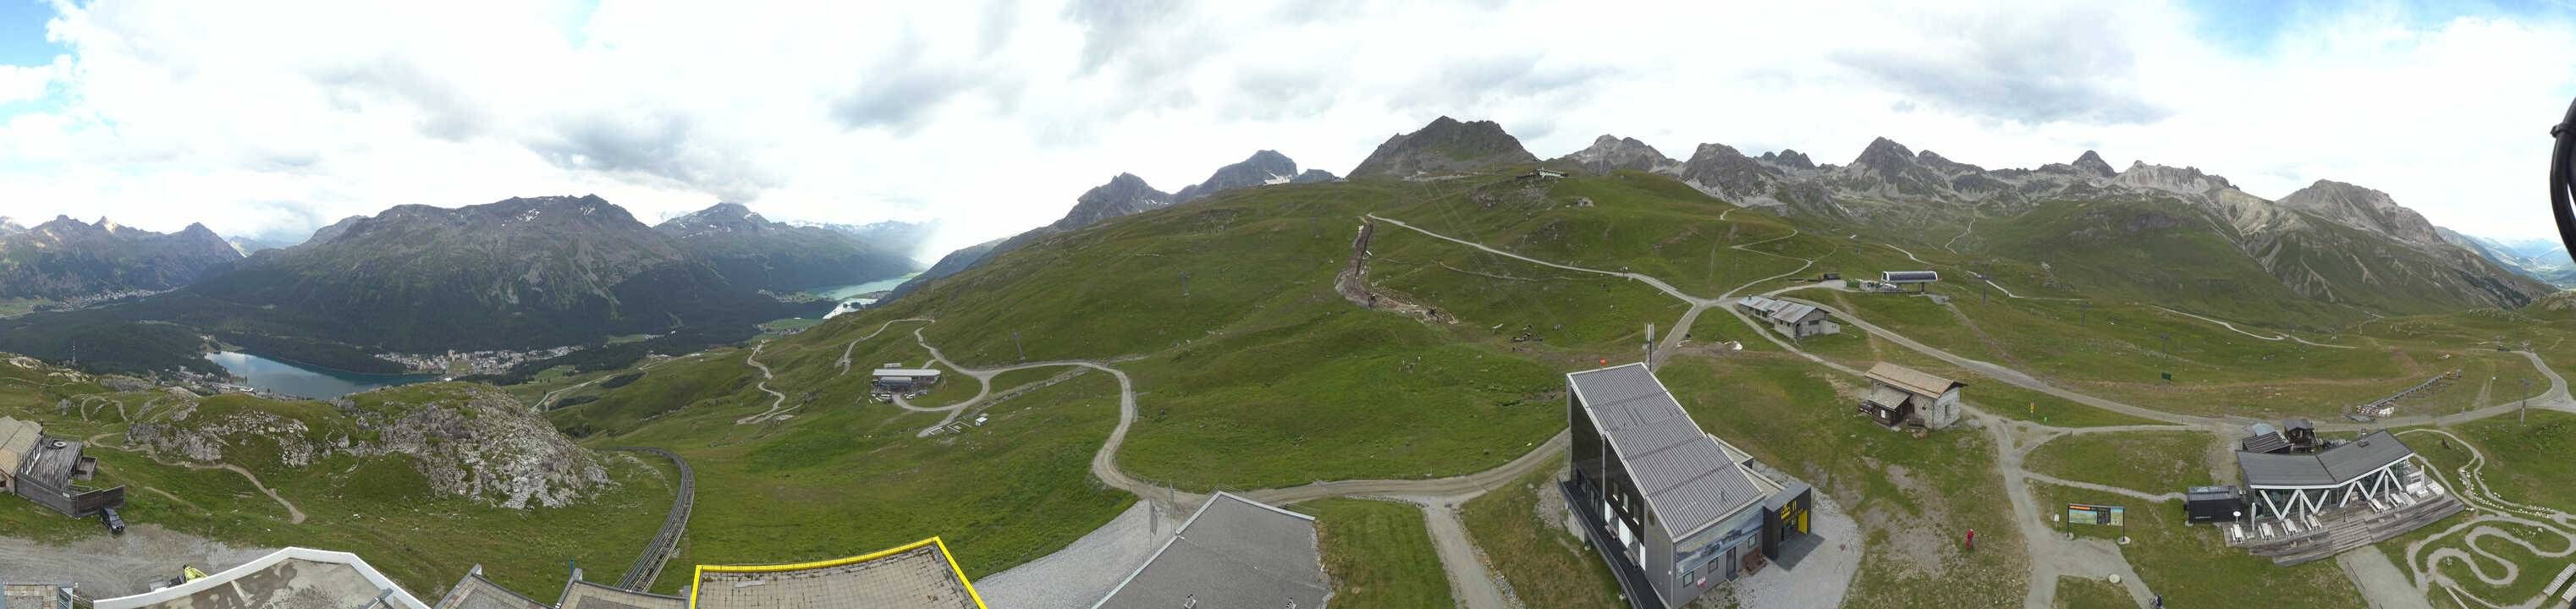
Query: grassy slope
[
  {"x": 1545, "y": 565},
  {"x": 1378, "y": 554},
  {"x": 2144, "y": 461},
  {"x": 2092, "y": 593}
]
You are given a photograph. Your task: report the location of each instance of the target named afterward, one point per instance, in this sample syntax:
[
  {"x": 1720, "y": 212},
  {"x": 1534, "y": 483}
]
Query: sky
[{"x": 269, "y": 119}]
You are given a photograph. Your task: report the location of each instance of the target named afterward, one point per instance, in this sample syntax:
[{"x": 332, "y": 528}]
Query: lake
[
  {"x": 305, "y": 381},
  {"x": 848, "y": 295},
  {"x": 846, "y": 292}
]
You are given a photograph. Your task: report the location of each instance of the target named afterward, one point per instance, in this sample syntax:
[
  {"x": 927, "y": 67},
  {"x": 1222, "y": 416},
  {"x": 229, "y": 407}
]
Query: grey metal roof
[
  {"x": 1232, "y": 553},
  {"x": 475, "y": 592},
  {"x": 2334, "y": 466},
  {"x": 1685, "y": 476},
  {"x": 2267, "y": 442},
  {"x": 580, "y": 594},
  {"x": 1793, "y": 312}
]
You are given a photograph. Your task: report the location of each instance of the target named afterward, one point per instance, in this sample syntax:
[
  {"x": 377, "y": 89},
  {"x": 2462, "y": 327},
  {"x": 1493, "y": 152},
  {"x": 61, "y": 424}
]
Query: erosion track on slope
[
  {"x": 665, "y": 543},
  {"x": 2276, "y": 337}
]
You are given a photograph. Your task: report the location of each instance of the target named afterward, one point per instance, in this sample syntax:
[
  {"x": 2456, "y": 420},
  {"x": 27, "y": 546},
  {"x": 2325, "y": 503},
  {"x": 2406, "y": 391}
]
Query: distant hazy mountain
[
  {"x": 897, "y": 236},
  {"x": 250, "y": 245},
  {"x": 752, "y": 250},
  {"x": 66, "y": 258},
  {"x": 1446, "y": 146},
  {"x": 2542, "y": 259},
  {"x": 10, "y": 227}
]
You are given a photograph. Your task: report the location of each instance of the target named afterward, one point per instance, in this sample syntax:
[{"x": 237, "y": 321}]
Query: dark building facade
[{"x": 1672, "y": 509}]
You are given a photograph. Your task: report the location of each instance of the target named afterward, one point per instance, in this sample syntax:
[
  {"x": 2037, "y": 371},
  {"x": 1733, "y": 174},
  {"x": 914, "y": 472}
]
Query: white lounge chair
[
  {"x": 2290, "y": 526},
  {"x": 2267, "y": 530},
  {"x": 2235, "y": 533}
]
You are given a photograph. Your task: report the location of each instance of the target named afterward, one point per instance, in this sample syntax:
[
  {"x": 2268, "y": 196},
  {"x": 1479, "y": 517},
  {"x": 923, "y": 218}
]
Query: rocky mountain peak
[
  {"x": 2179, "y": 180},
  {"x": 723, "y": 217},
  {"x": 1883, "y": 157},
  {"x": 2364, "y": 209},
  {"x": 2091, "y": 163},
  {"x": 1610, "y": 153},
  {"x": 1789, "y": 159},
  {"x": 1946, "y": 166},
  {"x": 1125, "y": 194},
  {"x": 1263, "y": 167},
  {"x": 1445, "y": 146}
]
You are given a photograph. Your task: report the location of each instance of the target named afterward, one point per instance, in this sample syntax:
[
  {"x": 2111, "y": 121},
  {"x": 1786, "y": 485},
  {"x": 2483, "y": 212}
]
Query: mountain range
[
  {"x": 2310, "y": 242},
  {"x": 521, "y": 273},
  {"x": 67, "y": 258}
]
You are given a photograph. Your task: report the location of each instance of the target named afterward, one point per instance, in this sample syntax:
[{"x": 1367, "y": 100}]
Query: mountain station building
[
  {"x": 1672, "y": 509},
  {"x": 1795, "y": 320},
  {"x": 899, "y": 380},
  {"x": 1904, "y": 396}
]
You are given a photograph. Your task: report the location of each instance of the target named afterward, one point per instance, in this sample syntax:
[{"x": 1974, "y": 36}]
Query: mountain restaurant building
[
  {"x": 1904, "y": 396},
  {"x": 1672, "y": 509}
]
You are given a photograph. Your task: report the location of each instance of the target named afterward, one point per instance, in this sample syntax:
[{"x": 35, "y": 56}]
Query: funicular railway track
[{"x": 667, "y": 542}]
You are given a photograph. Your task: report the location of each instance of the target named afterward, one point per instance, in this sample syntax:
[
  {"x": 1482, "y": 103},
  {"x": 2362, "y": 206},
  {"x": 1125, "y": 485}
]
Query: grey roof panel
[
  {"x": 2332, "y": 467},
  {"x": 1686, "y": 477},
  {"x": 1232, "y": 553}
]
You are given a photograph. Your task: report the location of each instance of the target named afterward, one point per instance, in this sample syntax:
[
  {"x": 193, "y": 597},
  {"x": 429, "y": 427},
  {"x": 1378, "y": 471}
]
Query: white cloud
[{"x": 257, "y": 117}]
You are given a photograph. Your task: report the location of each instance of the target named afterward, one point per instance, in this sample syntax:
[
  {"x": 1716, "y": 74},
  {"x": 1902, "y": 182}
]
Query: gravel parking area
[
  {"x": 1082, "y": 573},
  {"x": 106, "y": 567},
  {"x": 1817, "y": 579}
]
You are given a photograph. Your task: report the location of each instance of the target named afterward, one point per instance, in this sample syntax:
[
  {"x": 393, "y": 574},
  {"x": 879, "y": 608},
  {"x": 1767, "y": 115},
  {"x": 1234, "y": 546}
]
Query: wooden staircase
[{"x": 2352, "y": 528}]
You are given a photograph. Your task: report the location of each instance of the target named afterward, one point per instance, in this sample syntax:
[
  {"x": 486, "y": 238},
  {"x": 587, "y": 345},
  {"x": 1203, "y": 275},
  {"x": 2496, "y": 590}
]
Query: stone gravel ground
[
  {"x": 1820, "y": 578},
  {"x": 111, "y": 566}
]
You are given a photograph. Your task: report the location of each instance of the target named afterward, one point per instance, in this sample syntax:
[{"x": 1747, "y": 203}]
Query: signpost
[{"x": 2103, "y": 515}]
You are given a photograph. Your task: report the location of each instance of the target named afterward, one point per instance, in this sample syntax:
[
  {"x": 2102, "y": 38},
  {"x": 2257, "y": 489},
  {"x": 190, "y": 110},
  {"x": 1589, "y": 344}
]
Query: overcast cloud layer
[{"x": 268, "y": 120}]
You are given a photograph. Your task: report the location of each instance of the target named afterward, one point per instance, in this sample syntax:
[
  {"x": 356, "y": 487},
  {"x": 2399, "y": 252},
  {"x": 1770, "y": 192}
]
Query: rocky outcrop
[
  {"x": 465, "y": 441},
  {"x": 1610, "y": 153},
  {"x": 1446, "y": 146}
]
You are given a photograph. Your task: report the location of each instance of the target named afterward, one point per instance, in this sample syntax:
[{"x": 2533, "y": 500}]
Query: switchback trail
[
  {"x": 854, "y": 344},
  {"x": 778, "y": 399}
]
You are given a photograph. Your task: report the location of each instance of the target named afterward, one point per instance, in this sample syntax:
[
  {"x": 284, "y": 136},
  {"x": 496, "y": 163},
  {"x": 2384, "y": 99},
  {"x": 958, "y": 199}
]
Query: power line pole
[
  {"x": 2525, "y": 414},
  {"x": 1024, "y": 349}
]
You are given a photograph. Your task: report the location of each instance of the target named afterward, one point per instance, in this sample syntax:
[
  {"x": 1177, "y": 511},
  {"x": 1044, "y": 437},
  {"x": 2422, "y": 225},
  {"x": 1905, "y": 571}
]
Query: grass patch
[
  {"x": 2092, "y": 593},
  {"x": 1379, "y": 554},
  {"x": 1545, "y": 565},
  {"x": 2153, "y": 462}
]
